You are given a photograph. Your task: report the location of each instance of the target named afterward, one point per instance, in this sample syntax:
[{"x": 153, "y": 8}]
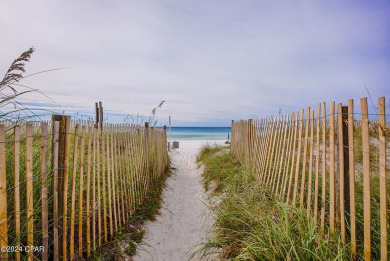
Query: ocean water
[{"x": 200, "y": 133}]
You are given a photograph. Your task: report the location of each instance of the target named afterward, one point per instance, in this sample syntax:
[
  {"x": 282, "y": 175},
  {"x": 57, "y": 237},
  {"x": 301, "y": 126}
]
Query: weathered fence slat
[
  {"x": 29, "y": 183},
  {"x": 323, "y": 161},
  {"x": 303, "y": 176},
  {"x": 44, "y": 192},
  {"x": 17, "y": 189},
  {"x": 331, "y": 168},
  {"x": 88, "y": 207},
  {"x": 3, "y": 195},
  {"x": 366, "y": 179},
  {"x": 311, "y": 150},
  {"x": 342, "y": 161},
  {"x": 382, "y": 177},
  {"x": 104, "y": 179},
  {"x": 73, "y": 193},
  {"x": 294, "y": 144},
  {"x": 317, "y": 157},
  {"x": 351, "y": 171},
  {"x": 81, "y": 196},
  {"x": 55, "y": 152},
  {"x": 296, "y": 179}
]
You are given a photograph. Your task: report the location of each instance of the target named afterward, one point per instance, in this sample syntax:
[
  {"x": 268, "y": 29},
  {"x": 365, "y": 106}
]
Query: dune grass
[{"x": 251, "y": 224}]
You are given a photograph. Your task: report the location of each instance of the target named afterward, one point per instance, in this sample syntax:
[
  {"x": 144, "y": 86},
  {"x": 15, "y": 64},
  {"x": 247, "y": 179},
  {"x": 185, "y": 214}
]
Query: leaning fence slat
[
  {"x": 265, "y": 129},
  {"x": 293, "y": 145},
  {"x": 366, "y": 180},
  {"x": 45, "y": 207},
  {"x": 104, "y": 179},
  {"x": 17, "y": 188},
  {"x": 130, "y": 170},
  {"x": 341, "y": 170},
  {"x": 323, "y": 161},
  {"x": 298, "y": 157},
  {"x": 288, "y": 155},
  {"x": 279, "y": 179},
  {"x": 269, "y": 148},
  {"x": 309, "y": 185},
  {"x": 277, "y": 160},
  {"x": 56, "y": 192},
  {"x": 257, "y": 140},
  {"x": 98, "y": 181},
  {"x": 73, "y": 195},
  {"x": 316, "y": 183},
  {"x": 128, "y": 186},
  {"x": 118, "y": 181},
  {"x": 119, "y": 176},
  {"x": 89, "y": 156},
  {"x": 276, "y": 153},
  {"x": 65, "y": 131},
  {"x": 115, "y": 192},
  {"x": 351, "y": 171},
  {"x": 29, "y": 183},
  {"x": 81, "y": 188},
  {"x": 109, "y": 187},
  {"x": 382, "y": 177},
  {"x": 303, "y": 176},
  {"x": 94, "y": 176},
  {"x": 3, "y": 195},
  {"x": 331, "y": 168}
]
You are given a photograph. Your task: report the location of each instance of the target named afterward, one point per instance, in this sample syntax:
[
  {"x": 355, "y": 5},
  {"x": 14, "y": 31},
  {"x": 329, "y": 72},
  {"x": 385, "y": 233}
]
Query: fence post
[
  {"x": 346, "y": 158},
  {"x": 97, "y": 115},
  {"x": 146, "y": 133},
  {"x": 343, "y": 178},
  {"x": 101, "y": 115},
  {"x": 351, "y": 174},
  {"x": 63, "y": 162}
]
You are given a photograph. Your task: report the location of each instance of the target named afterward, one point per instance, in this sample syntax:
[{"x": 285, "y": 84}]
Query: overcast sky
[{"x": 212, "y": 61}]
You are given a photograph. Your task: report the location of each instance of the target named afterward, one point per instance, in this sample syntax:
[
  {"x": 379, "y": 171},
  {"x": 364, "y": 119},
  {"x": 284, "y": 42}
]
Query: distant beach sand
[{"x": 185, "y": 217}]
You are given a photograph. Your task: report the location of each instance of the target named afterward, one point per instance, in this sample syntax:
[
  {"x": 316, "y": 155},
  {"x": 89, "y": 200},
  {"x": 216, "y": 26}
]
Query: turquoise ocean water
[{"x": 200, "y": 133}]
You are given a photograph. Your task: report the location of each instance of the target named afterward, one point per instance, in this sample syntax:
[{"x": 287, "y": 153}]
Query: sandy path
[{"x": 185, "y": 217}]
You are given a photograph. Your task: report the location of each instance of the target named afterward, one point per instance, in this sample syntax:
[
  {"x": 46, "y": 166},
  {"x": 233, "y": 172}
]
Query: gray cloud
[{"x": 212, "y": 61}]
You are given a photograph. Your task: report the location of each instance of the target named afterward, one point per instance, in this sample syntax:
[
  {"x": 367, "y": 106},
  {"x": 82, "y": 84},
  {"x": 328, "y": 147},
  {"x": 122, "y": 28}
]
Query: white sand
[{"x": 185, "y": 218}]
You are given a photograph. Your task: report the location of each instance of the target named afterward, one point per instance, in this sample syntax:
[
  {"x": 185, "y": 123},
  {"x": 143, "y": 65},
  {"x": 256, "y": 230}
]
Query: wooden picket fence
[
  {"x": 66, "y": 188},
  {"x": 331, "y": 165}
]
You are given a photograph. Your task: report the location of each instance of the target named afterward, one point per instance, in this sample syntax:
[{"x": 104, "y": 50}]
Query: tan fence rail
[
  {"x": 331, "y": 164},
  {"x": 66, "y": 188}
]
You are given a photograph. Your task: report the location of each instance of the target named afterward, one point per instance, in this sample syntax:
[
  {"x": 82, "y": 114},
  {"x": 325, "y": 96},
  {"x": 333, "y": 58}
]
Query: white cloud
[{"x": 212, "y": 61}]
